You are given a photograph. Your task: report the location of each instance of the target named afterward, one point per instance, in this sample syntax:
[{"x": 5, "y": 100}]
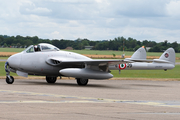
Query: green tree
[
  {"x": 5, "y": 45},
  {"x": 175, "y": 46}
]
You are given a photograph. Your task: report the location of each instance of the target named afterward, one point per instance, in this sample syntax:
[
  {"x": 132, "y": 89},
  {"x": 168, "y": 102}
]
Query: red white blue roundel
[
  {"x": 122, "y": 66},
  {"x": 166, "y": 55}
]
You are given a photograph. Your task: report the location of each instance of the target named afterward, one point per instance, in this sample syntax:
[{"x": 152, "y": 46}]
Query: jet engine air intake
[
  {"x": 52, "y": 62},
  {"x": 55, "y": 62}
]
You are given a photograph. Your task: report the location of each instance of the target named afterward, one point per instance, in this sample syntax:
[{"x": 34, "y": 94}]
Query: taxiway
[{"x": 106, "y": 99}]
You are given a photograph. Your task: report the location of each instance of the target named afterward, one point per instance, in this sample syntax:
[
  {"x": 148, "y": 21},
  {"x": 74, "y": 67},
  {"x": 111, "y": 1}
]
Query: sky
[{"x": 154, "y": 20}]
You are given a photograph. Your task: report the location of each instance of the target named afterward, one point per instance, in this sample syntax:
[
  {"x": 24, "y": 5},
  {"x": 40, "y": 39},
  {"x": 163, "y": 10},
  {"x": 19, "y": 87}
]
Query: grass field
[
  {"x": 11, "y": 49},
  {"x": 92, "y": 52},
  {"x": 174, "y": 73},
  {"x": 5, "y": 58}
]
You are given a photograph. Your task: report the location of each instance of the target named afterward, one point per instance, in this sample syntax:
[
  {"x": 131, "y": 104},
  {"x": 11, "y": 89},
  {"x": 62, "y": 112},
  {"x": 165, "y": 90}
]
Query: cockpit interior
[{"x": 41, "y": 47}]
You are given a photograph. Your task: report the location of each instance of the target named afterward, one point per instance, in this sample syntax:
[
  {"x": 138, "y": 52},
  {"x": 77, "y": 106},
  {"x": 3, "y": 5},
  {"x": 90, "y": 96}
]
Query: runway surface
[{"x": 104, "y": 100}]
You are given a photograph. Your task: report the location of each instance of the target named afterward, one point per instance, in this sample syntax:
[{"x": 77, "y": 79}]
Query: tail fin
[
  {"x": 169, "y": 55},
  {"x": 139, "y": 55}
]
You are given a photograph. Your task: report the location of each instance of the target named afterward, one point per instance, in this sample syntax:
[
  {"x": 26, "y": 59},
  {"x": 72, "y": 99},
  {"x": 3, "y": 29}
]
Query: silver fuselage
[{"x": 35, "y": 63}]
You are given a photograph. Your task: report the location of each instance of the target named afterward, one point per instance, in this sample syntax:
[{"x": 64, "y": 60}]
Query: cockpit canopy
[{"x": 41, "y": 47}]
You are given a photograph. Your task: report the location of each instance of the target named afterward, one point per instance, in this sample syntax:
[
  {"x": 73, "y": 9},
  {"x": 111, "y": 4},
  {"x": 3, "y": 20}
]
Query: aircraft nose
[{"x": 14, "y": 60}]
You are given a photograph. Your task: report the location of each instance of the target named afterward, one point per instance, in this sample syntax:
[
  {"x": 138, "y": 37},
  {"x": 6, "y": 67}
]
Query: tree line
[{"x": 119, "y": 43}]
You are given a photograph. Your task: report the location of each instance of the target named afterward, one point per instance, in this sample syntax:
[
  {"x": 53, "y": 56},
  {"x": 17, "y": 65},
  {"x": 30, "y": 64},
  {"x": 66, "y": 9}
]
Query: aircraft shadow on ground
[{"x": 69, "y": 84}]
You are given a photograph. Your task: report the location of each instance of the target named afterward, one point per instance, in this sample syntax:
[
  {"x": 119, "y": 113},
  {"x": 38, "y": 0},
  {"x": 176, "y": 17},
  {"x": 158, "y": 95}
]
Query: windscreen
[{"x": 30, "y": 49}]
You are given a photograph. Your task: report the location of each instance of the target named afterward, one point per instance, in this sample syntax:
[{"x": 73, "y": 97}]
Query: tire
[
  {"x": 51, "y": 79},
  {"x": 82, "y": 81},
  {"x": 9, "y": 81}
]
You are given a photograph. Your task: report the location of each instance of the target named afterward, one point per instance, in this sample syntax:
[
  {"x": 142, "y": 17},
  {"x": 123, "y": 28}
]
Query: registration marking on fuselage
[{"x": 78, "y": 99}]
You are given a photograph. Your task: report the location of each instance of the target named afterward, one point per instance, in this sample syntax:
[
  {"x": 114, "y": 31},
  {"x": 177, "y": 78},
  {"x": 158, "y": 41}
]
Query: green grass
[
  {"x": 99, "y": 52},
  {"x": 11, "y": 49},
  {"x": 2, "y": 71},
  {"x": 174, "y": 73},
  {"x": 92, "y": 52},
  {"x": 5, "y": 58}
]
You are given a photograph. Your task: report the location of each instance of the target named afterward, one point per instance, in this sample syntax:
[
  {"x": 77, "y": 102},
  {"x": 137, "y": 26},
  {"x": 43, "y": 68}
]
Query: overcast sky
[{"x": 155, "y": 20}]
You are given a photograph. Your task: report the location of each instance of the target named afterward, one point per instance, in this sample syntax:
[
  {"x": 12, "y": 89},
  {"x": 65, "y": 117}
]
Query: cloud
[
  {"x": 173, "y": 8},
  {"x": 92, "y": 19},
  {"x": 30, "y": 8},
  {"x": 140, "y": 8},
  {"x": 38, "y": 11}
]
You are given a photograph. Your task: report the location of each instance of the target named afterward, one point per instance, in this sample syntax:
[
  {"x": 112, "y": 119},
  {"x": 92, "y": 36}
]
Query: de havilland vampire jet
[{"x": 47, "y": 60}]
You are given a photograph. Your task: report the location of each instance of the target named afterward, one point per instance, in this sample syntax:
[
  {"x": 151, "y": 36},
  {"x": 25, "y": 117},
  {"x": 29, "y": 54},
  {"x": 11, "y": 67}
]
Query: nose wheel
[{"x": 9, "y": 79}]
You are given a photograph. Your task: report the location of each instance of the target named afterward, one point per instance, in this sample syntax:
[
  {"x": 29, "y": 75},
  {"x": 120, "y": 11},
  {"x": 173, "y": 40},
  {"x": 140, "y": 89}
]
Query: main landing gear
[
  {"x": 82, "y": 81},
  {"x": 9, "y": 79},
  {"x": 51, "y": 79}
]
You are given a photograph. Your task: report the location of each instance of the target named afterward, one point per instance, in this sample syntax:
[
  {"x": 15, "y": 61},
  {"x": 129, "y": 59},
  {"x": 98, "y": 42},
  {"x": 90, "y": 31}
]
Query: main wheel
[
  {"x": 82, "y": 81},
  {"x": 51, "y": 79},
  {"x": 9, "y": 81}
]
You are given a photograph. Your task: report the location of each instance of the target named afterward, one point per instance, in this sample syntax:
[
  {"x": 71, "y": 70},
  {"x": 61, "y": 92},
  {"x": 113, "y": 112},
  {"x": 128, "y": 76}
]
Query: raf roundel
[
  {"x": 166, "y": 55},
  {"x": 122, "y": 66}
]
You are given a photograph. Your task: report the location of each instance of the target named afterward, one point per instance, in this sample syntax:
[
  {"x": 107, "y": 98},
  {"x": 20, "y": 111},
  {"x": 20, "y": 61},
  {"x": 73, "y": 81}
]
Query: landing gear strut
[
  {"x": 51, "y": 79},
  {"x": 9, "y": 79},
  {"x": 82, "y": 81}
]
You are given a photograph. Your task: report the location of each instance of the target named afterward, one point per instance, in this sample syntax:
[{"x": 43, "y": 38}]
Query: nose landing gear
[{"x": 9, "y": 79}]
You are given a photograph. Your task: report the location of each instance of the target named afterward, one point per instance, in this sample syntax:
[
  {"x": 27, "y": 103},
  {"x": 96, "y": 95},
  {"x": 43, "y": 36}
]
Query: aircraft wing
[
  {"x": 55, "y": 61},
  {"x": 138, "y": 56},
  {"x": 97, "y": 62}
]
